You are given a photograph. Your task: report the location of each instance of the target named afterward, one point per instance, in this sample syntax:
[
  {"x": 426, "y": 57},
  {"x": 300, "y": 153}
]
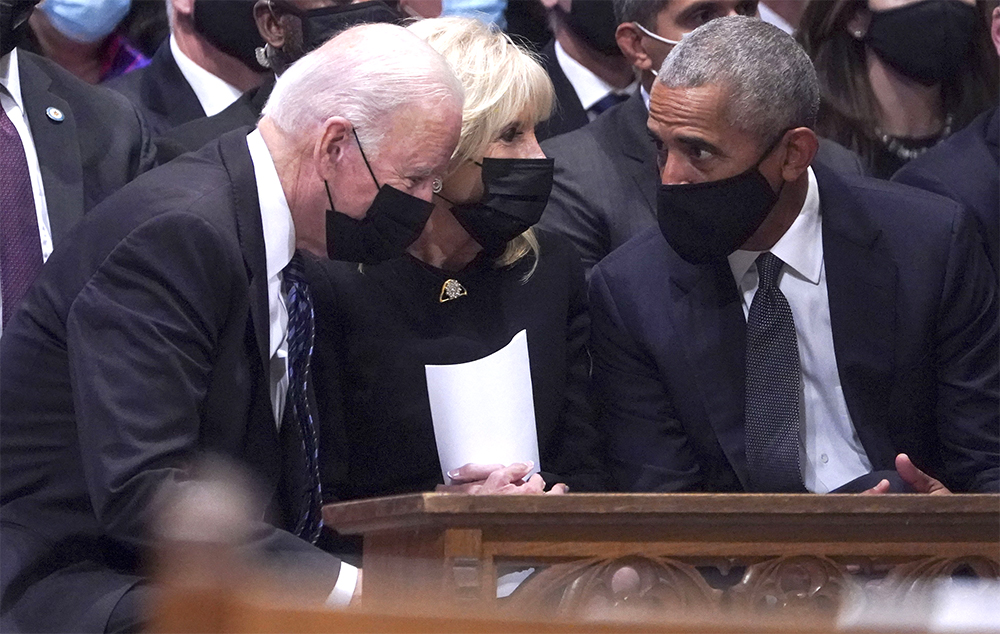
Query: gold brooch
[{"x": 450, "y": 290}]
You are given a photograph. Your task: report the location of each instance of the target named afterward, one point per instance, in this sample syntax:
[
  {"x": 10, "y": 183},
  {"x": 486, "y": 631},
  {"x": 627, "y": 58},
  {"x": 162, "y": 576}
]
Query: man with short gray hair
[
  {"x": 177, "y": 323},
  {"x": 604, "y": 190},
  {"x": 787, "y": 328}
]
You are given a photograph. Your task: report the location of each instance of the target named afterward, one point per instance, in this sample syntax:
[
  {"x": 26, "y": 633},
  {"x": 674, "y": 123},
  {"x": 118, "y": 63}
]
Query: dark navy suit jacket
[
  {"x": 966, "y": 168},
  {"x": 913, "y": 308},
  {"x": 568, "y": 113}
]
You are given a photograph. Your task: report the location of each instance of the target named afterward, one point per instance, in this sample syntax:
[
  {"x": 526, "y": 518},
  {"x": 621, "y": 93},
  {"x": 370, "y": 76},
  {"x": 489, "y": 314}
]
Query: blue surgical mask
[{"x": 85, "y": 21}]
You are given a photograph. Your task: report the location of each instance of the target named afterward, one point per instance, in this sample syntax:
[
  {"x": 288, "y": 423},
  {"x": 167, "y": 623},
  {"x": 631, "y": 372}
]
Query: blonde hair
[{"x": 502, "y": 82}]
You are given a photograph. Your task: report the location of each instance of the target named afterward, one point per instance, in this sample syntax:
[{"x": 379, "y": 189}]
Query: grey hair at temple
[
  {"x": 771, "y": 82},
  {"x": 365, "y": 75}
]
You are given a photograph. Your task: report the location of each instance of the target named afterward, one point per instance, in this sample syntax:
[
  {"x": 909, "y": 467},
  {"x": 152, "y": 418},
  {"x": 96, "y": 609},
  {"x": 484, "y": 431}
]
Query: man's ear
[
  {"x": 629, "y": 39},
  {"x": 802, "y": 144},
  {"x": 331, "y": 146},
  {"x": 268, "y": 24}
]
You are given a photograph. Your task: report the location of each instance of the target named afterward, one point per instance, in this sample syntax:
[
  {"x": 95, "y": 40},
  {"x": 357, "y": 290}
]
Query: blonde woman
[{"x": 477, "y": 275}]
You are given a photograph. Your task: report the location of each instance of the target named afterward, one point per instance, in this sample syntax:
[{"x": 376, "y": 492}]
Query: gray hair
[
  {"x": 642, "y": 11},
  {"x": 771, "y": 83},
  {"x": 365, "y": 75}
]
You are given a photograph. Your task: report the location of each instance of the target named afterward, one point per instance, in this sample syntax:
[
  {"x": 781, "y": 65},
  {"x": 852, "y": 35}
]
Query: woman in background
[
  {"x": 477, "y": 275},
  {"x": 898, "y": 76}
]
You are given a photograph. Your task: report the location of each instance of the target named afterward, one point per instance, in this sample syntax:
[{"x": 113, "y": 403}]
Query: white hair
[{"x": 365, "y": 75}]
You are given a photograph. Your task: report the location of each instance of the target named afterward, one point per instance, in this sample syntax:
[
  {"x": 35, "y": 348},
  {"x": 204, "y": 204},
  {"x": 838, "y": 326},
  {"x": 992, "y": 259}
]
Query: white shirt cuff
[{"x": 344, "y": 590}]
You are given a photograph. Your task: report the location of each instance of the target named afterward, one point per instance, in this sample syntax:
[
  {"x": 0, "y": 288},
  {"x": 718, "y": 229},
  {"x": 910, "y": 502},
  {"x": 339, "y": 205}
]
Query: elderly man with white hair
[{"x": 177, "y": 324}]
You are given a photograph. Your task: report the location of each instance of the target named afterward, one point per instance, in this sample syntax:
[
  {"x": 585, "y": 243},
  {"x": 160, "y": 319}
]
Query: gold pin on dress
[{"x": 450, "y": 290}]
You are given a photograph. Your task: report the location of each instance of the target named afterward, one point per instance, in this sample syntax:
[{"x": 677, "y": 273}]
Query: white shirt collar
[
  {"x": 768, "y": 15},
  {"x": 276, "y": 219},
  {"x": 213, "y": 93},
  {"x": 10, "y": 78},
  {"x": 801, "y": 247},
  {"x": 589, "y": 87}
]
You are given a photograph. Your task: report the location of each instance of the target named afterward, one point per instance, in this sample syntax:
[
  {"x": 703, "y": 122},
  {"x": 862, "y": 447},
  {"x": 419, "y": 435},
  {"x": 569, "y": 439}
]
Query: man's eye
[{"x": 699, "y": 154}]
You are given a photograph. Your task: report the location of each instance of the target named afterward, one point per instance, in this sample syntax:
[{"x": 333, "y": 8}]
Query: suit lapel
[
  {"x": 236, "y": 157},
  {"x": 709, "y": 310},
  {"x": 638, "y": 148},
  {"x": 56, "y": 146},
  {"x": 861, "y": 284}
]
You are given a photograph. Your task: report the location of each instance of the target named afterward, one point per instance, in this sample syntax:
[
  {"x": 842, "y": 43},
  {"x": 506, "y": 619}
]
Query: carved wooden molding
[{"x": 639, "y": 587}]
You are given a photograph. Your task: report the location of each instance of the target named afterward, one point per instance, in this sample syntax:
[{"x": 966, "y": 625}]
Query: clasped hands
[{"x": 497, "y": 479}]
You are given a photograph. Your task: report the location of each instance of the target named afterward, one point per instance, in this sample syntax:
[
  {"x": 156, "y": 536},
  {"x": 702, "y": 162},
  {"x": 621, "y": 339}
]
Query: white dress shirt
[
  {"x": 831, "y": 453},
  {"x": 214, "y": 94},
  {"x": 13, "y": 105},
  {"x": 768, "y": 15},
  {"x": 279, "y": 246},
  {"x": 589, "y": 87}
]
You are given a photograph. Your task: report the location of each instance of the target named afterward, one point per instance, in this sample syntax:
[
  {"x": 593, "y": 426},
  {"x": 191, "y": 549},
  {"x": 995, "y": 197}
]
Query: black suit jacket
[
  {"x": 966, "y": 168},
  {"x": 141, "y": 348},
  {"x": 606, "y": 180},
  {"x": 192, "y": 135},
  {"x": 913, "y": 308},
  {"x": 568, "y": 113},
  {"x": 160, "y": 92},
  {"x": 100, "y": 145}
]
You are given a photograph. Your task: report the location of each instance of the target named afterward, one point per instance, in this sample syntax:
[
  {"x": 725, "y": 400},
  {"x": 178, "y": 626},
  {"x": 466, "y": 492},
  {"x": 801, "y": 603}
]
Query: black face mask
[
  {"x": 394, "y": 220},
  {"x": 928, "y": 41},
  {"x": 229, "y": 26},
  {"x": 14, "y": 16},
  {"x": 514, "y": 197},
  {"x": 594, "y": 21},
  {"x": 704, "y": 222},
  {"x": 319, "y": 25}
]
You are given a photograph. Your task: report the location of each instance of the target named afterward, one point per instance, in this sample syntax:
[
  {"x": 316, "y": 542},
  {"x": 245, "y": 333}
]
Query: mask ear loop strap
[{"x": 367, "y": 164}]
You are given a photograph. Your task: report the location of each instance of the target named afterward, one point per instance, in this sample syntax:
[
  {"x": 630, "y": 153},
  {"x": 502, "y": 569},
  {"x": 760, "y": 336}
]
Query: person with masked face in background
[
  {"x": 899, "y": 76},
  {"x": 81, "y": 36},
  {"x": 204, "y": 66},
  {"x": 477, "y": 275},
  {"x": 966, "y": 167},
  {"x": 788, "y": 328},
  {"x": 583, "y": 61},
  {"x": 290, "y": 29},
  {"x": 178, "y": 323},
  {"x": 66, "y": 146}
]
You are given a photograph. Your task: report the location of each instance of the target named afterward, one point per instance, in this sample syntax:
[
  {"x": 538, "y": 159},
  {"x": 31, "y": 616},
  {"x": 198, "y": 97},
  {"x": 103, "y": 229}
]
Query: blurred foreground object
[{"x": 621, "y": 563}]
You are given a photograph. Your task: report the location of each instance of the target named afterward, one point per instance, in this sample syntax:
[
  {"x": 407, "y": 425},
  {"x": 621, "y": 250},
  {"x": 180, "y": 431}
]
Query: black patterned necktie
[
  {"x": 773, "y": 386},
  {"x": 607, "y": 101},
  {"x": 20, "y": 244},
  {"x": 297, "y": 412}
]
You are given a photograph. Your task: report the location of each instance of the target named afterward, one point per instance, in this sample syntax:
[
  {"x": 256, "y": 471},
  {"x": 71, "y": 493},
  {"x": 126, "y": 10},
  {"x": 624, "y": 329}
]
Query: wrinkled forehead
[{"x": 701, "y": 107}]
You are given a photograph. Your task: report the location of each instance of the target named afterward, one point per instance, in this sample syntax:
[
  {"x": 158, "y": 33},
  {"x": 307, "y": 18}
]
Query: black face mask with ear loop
[
  {"x": 704, "y": 222},
  {"x": 229, "y": 25},
  {"x": 927, "y": 41},
  {"x": 320, "y": 25},
  {"x": 515, "y": 193},
  {"x": 393, "y": 222}
]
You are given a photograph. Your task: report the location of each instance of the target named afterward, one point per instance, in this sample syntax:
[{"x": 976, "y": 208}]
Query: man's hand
[
  {"x": 496, "y": 479},
  {"x": 920, "y": 481}
]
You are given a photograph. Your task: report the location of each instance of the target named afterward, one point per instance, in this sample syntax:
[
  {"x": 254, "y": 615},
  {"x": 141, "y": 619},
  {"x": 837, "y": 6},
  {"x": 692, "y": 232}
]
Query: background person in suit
[
  {"x": 175, "y": 323},
  {"x": 204, "y": 66},
  {"x": 284, "y": 25},
  {"x": 966, "y": 168},
  {"x": 74, "y": 143},
  {"x": 606, "y": 176},
  {"x": 584, "y": 63},
  {"x": 788, "y": 328}
]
